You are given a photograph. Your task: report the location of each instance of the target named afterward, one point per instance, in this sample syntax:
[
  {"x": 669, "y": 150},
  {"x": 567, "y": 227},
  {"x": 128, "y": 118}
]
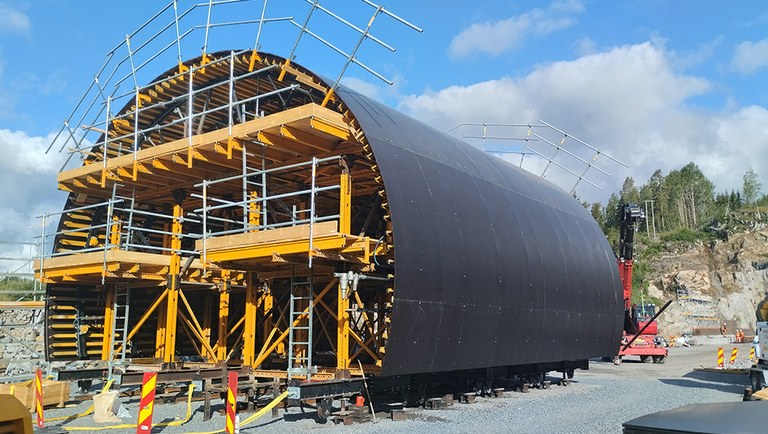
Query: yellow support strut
[{"x": 342, "y": 331}]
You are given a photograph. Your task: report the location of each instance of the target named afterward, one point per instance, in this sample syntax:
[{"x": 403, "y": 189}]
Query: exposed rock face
[
  {"x": 712, "y": 282},
  {"x": 21, "y": 340}
]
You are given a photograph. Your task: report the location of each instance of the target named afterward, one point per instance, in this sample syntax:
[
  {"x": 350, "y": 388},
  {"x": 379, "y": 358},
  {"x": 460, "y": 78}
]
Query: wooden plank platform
[
  {"x": 301, "y": 131},
  {"x": 119, "y": 264},
  {"x": 285, "y": 244}
]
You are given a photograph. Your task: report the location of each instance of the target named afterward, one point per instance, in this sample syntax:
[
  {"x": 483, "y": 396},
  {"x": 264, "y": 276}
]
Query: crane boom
[{"x": 630, "y": 216}]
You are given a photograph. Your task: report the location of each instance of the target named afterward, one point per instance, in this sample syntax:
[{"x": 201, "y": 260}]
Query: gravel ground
[{"x": 598, "y": 401}]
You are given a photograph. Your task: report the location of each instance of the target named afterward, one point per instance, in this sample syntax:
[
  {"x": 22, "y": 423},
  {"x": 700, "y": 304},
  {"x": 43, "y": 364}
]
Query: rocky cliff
[{"x": 711, "y": 281}]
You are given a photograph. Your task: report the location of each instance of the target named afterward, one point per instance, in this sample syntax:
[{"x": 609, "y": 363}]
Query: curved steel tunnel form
[{"x": 494, "y": 266}]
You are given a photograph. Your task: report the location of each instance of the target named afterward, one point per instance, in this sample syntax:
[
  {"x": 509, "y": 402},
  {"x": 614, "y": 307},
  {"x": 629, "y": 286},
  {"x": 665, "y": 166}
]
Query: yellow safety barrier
[
  {"x": 147, "y": 402},
  {"x": 133, "y": 425},
  {"x": 254, "y": 416},
  {"x": 39, "y": 398}
]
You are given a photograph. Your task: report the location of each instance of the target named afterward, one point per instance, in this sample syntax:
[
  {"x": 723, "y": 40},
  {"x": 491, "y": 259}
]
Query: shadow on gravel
[
  {"x": 305, "y": 414},
  {"x": 716, "y": 377},
  {"x": 159, "y": 429},
  {"x": 730, "y": 383},
  {"x": 728, "y": 388},
  {"x": 264, "y": 424}
]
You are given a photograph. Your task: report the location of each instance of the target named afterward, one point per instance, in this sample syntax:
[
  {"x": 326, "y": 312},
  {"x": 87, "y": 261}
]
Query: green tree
[
  {"x": 751, "y": 187},
  {"x": 657, "y": 189},
  {"x": 596, "y": 209},
  {"x": 629, "y": 193},
  {"x": 734, "y": 201},
  {"x": 611, "y": 213},
  {"x": 690, "y": 200}
]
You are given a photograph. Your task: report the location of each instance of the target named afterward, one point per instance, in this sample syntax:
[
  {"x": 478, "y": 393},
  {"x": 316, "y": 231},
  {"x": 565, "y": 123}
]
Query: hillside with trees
[
  {"x": 703, "y": 247},
  {"x": 682, "y": 204}
]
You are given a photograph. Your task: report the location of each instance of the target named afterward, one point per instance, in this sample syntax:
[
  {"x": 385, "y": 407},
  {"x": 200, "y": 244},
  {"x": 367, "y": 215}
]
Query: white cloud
[
  {"x": 637, "y": 77},
  {"x": 628, "y": 101},
  {"x": 13, "y": 21},
  {"x": 750, "y": 57},
  {"x": 698, "y": 55},
  {"x": 741, "y": 136},
  {"x": 364, "y": 87},
  {"x": 498, "y": 37},
  {"x": 25, "y": 154},
  {"x": 585, "y": 46},
  {"x": 28, "y": 176}
]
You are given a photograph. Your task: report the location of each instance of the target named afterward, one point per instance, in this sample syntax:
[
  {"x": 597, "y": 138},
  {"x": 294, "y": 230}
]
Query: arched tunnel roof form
[{"x": 492, "y": 265}]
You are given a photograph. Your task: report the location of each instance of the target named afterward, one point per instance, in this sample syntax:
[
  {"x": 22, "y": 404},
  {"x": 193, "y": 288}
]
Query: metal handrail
[
  {"x": 275, "y": 197},
  {"x": 264, "y": 200},
  {"x": 268, "y": 171},
  {"x": 273, "y": 225}
]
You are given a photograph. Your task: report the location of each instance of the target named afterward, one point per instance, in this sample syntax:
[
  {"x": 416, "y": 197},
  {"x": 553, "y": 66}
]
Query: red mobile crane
[{"x": 638, "y": 337}]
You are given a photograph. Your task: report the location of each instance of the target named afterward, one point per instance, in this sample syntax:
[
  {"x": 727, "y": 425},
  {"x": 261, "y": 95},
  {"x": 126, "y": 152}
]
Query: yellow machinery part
[
  {"x": 762, "y": 310},
  {"x": 14, "y": 418}
]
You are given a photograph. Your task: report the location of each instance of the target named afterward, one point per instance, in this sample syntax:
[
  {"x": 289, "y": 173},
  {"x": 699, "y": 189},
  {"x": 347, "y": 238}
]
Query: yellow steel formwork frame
[
  {"x": 270, "y": 346},
  {"x": 289, "y": 136}
]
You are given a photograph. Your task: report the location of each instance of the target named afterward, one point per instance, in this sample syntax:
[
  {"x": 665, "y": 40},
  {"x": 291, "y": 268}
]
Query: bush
[
  {"x": 684, "y": 235},
  {"x": 15, "y": 284},
  {"x": 653, "y": 249}
]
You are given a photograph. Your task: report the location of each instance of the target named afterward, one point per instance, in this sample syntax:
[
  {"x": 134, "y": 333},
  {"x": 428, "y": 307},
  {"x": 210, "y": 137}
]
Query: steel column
[
  {"x": 221, "y": 346},
  {"x": 342, "y": 321},
  {"x": 106, "y": 339},
  {"x": 172, "y": 301},
  {"x": 345, "y": 203},
  {"x": 268, "y": 324},
  {"x": 249, "y": 328},
  {"x": 254, "y": 209}
]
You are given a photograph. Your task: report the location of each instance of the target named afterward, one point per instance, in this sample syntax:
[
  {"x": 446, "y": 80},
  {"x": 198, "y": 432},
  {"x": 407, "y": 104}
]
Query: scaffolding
[
  {"x": 542, "y": 149},
  {"x": 698, "y": 309},
  {"x": 230, "y": 212}
]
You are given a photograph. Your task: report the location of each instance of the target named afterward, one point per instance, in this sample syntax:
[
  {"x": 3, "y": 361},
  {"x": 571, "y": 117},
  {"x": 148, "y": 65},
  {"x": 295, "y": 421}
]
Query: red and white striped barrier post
[
  {"x": 231, "y": 402},
  {"x": 147, "y": 403},
  {"x": 720, "y": 359},
  {"x": 39, "y": 398},
  {"x": 734, "y": 354}
]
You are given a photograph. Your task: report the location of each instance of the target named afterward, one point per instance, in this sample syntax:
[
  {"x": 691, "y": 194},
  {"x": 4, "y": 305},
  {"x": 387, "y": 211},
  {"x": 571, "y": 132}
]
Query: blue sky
[{"x": 656, "y": 84}]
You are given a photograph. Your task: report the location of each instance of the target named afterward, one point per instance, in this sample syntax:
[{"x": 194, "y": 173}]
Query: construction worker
[{"x": 723, "y": 329}]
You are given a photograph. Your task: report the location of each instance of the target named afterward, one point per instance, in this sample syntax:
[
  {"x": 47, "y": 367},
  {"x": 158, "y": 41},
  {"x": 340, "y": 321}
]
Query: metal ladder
[
  {"x": 300, "y": 335},
  {"x": 120, "y": 312},
  {"x": 302, "y": 294}
]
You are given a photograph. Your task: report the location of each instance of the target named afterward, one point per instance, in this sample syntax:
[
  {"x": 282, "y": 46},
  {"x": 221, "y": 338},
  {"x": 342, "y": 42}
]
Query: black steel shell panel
[{"x": 494, "y": 266}]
